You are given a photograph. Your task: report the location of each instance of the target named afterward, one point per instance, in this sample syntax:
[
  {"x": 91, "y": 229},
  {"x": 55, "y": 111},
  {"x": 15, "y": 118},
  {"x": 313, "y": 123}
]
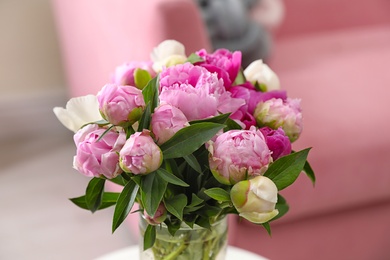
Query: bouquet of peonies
[{"x": 190, "y": 139}]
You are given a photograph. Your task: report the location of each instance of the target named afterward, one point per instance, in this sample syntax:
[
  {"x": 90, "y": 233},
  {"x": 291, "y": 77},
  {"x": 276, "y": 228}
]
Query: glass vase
[{"x": 187, "y": 243}]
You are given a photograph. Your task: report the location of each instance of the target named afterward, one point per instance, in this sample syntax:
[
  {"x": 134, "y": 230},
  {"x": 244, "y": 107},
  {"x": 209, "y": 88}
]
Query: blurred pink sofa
[{"x": 332, "y": 54}]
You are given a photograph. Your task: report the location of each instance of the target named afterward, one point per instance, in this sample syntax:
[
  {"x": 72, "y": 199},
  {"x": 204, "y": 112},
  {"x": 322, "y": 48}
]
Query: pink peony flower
[
  {"x": 277, "y": 113},
  {"x": 255, "y": 199},
  {"x": 238, "y": 154},
  {"x": 166, "y": 121},
  {"x": 98, "y": 158},
  {"x": 124, "y": 74},
  {"x": 225, "y": 63},
  {"x": 140, "y": 155},
  {"x": 196, "y": 92},
  {"x": 277, "y": 141},
  {"x": 120, "y": 104}
]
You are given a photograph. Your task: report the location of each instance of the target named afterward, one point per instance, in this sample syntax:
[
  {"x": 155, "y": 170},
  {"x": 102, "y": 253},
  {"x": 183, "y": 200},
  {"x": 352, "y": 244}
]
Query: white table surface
[{"x": 233, "y": 253}]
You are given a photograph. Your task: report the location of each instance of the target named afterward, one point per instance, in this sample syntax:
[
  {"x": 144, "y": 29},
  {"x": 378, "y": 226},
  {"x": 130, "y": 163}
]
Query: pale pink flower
[
  {"x": 197, "y": 92},
  {"x": 124, "y": 74},
  {"x": 97, "y": 158},
  {"x": 277, "y": 113},
  {"x": 166, "y": 121},
  {"x": 120, "y": 104},
  {"x": 238, "y": 154},
  {"x": 140, "y": 154}
]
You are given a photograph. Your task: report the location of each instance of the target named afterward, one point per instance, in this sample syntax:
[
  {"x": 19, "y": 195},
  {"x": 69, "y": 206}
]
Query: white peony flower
[
  {"x": 168, "y": 53},
  {"x": 255, "y": 199},
  {"x": 261, "y": 73},
  {"x": 78, "y": 112}
]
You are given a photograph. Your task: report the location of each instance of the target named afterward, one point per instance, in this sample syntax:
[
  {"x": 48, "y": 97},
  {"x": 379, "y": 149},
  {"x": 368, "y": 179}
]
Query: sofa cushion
[{"x": 343, "y": 78}]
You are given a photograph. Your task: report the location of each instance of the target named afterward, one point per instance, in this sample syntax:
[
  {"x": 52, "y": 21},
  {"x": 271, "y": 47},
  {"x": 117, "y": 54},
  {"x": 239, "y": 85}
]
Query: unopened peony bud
[
  {"x": 140, "y": 154},
  {"x": 277, "y": 113},
  {"x": 238, "y": 154},
  {"x": 255, "y": 199},
  {"x": 167, "y": 54},
  {"x": 259, "y": 72},
  {"x": 121, "y": 104},
  {"x": 159, "y": 216}
]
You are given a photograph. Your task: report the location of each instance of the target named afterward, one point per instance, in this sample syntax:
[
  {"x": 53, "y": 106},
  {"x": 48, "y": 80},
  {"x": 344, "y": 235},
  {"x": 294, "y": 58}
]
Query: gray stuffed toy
[{"x": 229, "y": 26}]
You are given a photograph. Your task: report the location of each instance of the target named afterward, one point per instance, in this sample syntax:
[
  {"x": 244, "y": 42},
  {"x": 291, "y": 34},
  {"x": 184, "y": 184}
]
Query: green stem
[
  {"x": 177, "y": 252},
  {"x": 206, "y": 251}
]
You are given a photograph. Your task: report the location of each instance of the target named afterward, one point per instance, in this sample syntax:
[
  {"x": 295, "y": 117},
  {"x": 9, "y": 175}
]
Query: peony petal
[
  {"x": 259, "y": 218},
  {"x": 79, "y": 111}
]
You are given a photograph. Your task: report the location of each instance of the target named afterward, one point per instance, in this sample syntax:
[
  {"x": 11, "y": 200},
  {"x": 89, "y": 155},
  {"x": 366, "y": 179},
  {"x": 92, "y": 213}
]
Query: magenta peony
[
  {"x": 225, "y": 63},
  {"x": 277, "y": 141}
]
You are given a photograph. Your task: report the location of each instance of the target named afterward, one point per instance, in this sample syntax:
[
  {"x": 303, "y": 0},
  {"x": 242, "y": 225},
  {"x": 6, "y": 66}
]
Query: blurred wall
[{"x": 29, "y": 54}]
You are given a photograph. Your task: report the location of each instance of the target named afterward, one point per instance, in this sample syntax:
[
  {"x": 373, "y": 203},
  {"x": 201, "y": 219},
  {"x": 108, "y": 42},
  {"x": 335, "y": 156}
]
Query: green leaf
[
  {"x": 171, "y": 178},
  {"x": 100, "y": 123},
  {"x": 284, "y": 171},
  {"x": 149, "y": 236},
  {"x": 105, "y": 132},
  {"x": 120, "y": 180},
  {"x": 282, "y": 206},
  {"x": 176, "y": 205},
  {"x": 232, "y": 125},
  {"x": 153, "y": 189},
  {"x": 150, "y": 93},
  {"x": 220, "y": 119},
  {"x": 203, "y": 222},
  {"x": 193, "y": 162},
  {"x": 109, "y": 199},
  {"x": 194, "y": 58},
  {"x": 218, "y": 194},
  {"x": 145, "y": 119},
  {"x": 94, "y": 193},
  {"x": 195, "y": 200},
  {"x": 173, "y": 226},
  {"x": 267, "y": 227},
  {"x": 141, "y": 78},
  {"x": 189, "y": 139},
  {"x": 124, "y": 204},
  {"x": 309, "y": 172}
]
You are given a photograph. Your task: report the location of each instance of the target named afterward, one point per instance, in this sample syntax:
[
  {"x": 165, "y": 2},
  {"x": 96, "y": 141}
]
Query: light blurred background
[
  {"x": 37, "y": 221},
  {"x": 335, "y": 53}
]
